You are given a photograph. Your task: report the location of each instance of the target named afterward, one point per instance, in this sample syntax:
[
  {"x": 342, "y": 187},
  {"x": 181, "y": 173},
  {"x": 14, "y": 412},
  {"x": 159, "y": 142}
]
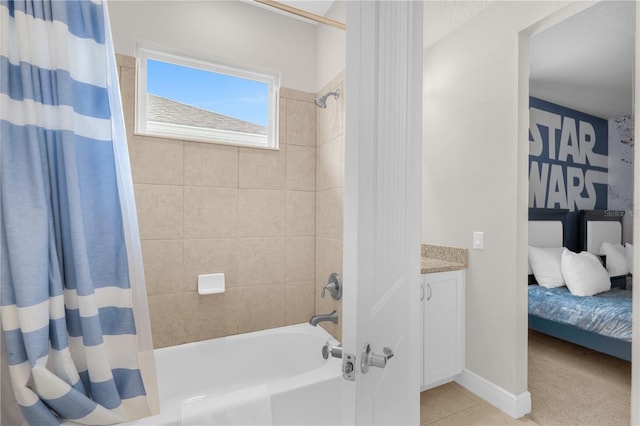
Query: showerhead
[{"x": 322, "y": 102}]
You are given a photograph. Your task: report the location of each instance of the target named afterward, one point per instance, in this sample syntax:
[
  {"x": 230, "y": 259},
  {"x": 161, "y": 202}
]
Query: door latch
[
  {"x": 348, "y": 366},
  {"x": 370, "y": 358},
  {"x": 333, "y": 350}
]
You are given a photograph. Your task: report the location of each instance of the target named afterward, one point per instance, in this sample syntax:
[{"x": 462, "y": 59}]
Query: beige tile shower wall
[
  {"x": 206, "y": 208},
  {"x": 329, "y": 198}
]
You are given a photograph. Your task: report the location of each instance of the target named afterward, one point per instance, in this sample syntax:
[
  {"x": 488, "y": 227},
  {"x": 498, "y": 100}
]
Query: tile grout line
[{"x": 453, "y": 414}]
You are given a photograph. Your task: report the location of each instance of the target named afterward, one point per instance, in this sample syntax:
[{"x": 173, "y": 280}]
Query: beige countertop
[{"x": 442, "y": 259}]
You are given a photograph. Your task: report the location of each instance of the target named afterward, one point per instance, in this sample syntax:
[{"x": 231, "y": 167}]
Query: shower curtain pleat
[{"x": 75, "y": 321}]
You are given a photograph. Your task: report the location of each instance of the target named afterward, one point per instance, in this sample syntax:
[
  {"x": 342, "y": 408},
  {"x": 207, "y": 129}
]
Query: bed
[{"x": 601, "y": 322}]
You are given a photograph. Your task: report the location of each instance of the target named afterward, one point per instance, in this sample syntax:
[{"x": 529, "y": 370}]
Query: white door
[{"x": 382, "y": 210}]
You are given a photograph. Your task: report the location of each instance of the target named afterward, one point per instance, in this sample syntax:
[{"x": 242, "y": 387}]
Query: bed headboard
[
  {"x": 578, "y": 231},
  {"x": 598, "y": 226},
  {"x": 553, "y": 228}
]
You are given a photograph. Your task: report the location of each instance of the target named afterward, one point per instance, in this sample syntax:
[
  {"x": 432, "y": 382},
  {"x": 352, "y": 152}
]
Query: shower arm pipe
[{"x": 303, "y": 13}]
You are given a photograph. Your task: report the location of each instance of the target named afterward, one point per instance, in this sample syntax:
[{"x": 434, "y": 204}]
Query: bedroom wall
[
  {"x": 620, "y": 193},
  {"x": 568, "y": 158},
  {"x": 568, "y": 178},
  {"x": 475, "y": 175}
]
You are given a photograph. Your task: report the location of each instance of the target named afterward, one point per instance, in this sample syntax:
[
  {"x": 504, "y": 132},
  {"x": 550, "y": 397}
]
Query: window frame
[{"x": 199, "y": 134}]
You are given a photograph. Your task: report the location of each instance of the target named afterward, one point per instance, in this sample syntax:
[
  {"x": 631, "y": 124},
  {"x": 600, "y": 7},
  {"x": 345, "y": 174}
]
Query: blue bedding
[{"x": 607, "y": 313}]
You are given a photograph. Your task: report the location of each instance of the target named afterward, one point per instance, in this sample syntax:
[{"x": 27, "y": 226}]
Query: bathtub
[{"x": 304, "y": 388}]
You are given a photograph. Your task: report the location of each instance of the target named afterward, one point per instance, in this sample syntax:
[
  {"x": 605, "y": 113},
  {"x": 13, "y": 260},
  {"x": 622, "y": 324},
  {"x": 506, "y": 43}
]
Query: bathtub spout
[{"x": 333, "y": 317}]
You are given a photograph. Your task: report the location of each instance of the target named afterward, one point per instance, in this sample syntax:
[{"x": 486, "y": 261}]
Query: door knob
[{"x": 370, "y": 358}]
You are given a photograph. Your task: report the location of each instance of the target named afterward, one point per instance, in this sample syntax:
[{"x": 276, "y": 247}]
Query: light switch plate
[{"x": 478, "y": 240}]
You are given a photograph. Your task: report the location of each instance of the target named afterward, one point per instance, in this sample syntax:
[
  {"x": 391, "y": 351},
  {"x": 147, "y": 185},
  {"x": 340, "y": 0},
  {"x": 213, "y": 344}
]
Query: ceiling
[{"x": 586, "y": 61}]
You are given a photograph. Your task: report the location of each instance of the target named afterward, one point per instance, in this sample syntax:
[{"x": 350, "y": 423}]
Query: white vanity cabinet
[{"x": 443, "y": 327}]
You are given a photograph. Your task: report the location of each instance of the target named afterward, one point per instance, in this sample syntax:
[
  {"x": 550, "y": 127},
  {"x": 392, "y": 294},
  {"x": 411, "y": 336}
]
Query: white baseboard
[{"x": 514, "y": 405}]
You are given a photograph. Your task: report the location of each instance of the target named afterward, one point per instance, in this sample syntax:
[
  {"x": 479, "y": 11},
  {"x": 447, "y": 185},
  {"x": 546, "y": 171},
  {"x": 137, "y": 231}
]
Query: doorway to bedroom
[{"x": 581, "y": 172}]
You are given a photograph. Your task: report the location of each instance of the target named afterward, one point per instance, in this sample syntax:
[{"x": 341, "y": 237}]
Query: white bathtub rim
[
  {"x": 302, "y": 328},
  {"x": 328, "y": 370}
]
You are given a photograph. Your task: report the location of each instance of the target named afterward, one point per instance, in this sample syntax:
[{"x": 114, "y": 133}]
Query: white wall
[
  {"x": 232, "y": 31},
  {"x": 331, "y": 46},
  {"x": 475, "y": 176},
  {"x": 442, "y": 17}
]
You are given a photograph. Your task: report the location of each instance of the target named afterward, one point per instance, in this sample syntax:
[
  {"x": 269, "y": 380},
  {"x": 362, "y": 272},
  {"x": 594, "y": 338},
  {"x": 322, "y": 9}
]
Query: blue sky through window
[{"x": 224, "y": 94}]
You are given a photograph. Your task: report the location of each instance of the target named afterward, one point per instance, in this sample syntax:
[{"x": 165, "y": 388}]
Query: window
[{"x": 190, "y": 99}]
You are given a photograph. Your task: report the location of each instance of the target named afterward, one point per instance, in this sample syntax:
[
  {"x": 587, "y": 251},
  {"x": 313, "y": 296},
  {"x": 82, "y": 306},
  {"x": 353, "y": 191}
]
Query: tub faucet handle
[{"x": 334, "y": 285}]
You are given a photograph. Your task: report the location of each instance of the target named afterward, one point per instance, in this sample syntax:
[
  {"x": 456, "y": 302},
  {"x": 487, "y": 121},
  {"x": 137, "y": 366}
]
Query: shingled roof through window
[{"x": 168, "y": 111}]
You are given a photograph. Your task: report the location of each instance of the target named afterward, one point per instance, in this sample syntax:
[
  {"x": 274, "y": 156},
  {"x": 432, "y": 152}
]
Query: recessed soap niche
[{"x": 211, "y": 284}]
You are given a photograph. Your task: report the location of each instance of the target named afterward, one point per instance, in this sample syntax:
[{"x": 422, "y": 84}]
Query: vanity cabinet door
[{"x": 443, "y": 326}]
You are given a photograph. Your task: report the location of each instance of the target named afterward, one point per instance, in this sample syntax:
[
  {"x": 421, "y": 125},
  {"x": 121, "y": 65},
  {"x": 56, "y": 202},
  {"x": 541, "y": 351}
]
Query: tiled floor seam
[{"x": 450, "y": 415}]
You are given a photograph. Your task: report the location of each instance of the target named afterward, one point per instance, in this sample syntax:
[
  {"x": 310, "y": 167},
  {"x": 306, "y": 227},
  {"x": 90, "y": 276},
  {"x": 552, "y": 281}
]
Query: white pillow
[
  {"x": 616, "y": 261},
  {"x": 545, "y": 264},
  {"x": 584, "y": 274},
  {"x": 628, "y": 254}
]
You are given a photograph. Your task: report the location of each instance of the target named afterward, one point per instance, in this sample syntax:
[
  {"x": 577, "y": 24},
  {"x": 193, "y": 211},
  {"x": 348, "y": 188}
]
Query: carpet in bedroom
[{"x": 572, "y": 385}]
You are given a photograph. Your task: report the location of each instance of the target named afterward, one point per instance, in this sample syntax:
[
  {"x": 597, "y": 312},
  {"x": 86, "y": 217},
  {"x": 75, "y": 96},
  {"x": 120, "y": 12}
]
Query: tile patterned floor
[
  {"x": 569, "y": 385},
  {"x": 451, "y": 404}
]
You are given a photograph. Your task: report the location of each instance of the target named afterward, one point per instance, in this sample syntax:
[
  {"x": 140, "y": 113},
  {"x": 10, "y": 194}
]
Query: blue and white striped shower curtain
[{"x": 75, "y": 321}]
